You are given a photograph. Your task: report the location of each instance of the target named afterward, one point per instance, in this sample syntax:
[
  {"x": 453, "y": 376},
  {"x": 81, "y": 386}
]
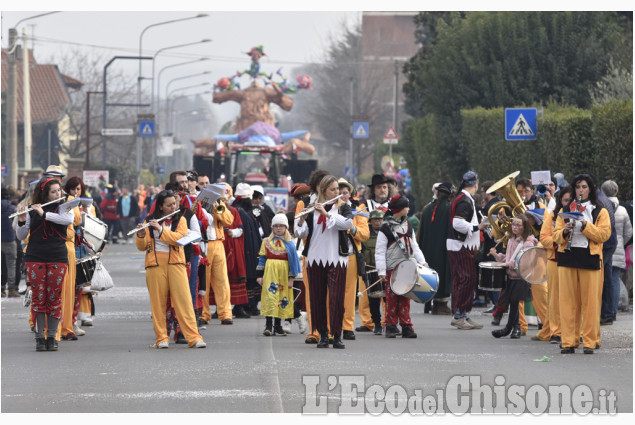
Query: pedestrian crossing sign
[
  {"x": 360, "y": 130},
  {"x": 146, "y": 128},
  {"x": 520, "y": 124}
]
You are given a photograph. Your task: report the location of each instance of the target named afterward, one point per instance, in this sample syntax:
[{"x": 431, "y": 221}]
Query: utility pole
[
  {"x": 88, "y": 93},
  {"x": 394, "y": 108},
  {"x": 350, "y": 143},
  {"x": 26, "y": 84},
  {"x": 12, "y": 110}
]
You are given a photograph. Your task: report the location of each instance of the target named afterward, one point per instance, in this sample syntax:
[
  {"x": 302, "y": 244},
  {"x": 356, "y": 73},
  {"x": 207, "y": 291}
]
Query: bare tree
[
  {"x": 87, "y": 66},
  {"x": 326, "y": 110}
]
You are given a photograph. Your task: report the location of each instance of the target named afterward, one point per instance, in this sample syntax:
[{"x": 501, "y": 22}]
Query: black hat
[
  {"x": 398, "y": 203},
  {"x": 380, "y": 179},
  {"x": 445, "y": 187}
]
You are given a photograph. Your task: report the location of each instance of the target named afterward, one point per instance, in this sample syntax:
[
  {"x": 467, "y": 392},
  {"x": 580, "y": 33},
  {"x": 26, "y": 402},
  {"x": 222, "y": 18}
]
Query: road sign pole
[{"x": 351, "y": 138}]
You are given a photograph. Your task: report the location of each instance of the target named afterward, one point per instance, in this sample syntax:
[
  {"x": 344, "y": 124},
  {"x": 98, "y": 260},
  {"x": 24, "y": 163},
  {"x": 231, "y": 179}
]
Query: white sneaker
[
  {"x": 200, "y": 344},
  {"x": 77, "y": 330},
  {"x": 302, "y": 322},
  {"x": 87, "y": 322},
  {"x": 163, "y": 344},
  {"x": 286, "y": 327}
]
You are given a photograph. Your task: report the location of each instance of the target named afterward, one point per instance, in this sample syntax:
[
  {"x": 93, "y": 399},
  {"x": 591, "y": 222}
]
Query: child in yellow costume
[{"x": 277, "y": 267}]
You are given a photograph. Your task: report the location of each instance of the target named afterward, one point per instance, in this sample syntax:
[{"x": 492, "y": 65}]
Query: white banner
[
  {"x": 95, "y": 177},
  {"x": 165, "y": 146}
]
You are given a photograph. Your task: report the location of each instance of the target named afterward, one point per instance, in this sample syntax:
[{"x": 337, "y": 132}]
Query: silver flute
[
  {"x": 31, "y": 209},
  {"x": 145, "y": 226},
  {"x": 312, "y": 208}
]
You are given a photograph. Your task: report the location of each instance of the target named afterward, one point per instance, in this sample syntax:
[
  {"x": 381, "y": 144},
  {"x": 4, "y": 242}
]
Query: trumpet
[
  {"x": 577, "y": 208},
  {"x": 31, "y": 209},
  {"x": 312, "y": 208},
  {"x": 219, "y": 207},
  {"x": 148, "y": 224}
]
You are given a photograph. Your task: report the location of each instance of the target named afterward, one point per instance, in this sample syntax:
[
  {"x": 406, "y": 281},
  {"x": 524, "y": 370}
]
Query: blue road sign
[
  {"x": 146, "y": 128},
  {"x": 520, "y": 124},
  {"x": 5, "y": 170},
  {"x": 360, "y": 130}
]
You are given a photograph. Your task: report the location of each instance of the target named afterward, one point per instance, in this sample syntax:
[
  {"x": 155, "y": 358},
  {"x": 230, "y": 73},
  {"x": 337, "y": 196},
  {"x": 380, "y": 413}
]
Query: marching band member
[
  {"x": 216, "y": 272},
  {"x": 75, "y": 187},
  {"x": 463, "y": 240},
  {"x": 563, "y": 198},
  {"x": 165, "y": 271},
  {"x": 305, "y": 196},
  {"x": 517, "y": 289},
  {"x": 326, "y": 256},
  {"x": 580, "y": 266},
  {"x": 46, "y": 259},
  {"x": 359, "y": 233},
  {"x": 395, "y": 243},
  {"x": 68, "y": 290},
  {"x": 375, "y": 219}
]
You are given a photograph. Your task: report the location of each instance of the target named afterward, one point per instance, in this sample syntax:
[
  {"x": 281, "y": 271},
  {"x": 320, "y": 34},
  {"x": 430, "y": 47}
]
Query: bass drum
[
  {"x": 95, "y": 231},
  {"x": 531, "y": 265},
  {"x": 419, "y": 283}
]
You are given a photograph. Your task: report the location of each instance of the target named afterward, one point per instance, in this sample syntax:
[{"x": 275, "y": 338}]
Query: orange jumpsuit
[{"x": 581, "y": 289}]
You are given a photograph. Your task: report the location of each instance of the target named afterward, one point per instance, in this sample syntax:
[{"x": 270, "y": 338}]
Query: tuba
[{"x": 502, "y": 226}]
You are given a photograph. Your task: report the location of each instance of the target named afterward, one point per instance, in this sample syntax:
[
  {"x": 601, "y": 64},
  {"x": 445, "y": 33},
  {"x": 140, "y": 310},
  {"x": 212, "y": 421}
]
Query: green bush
[{"x": 570, "y": 140}]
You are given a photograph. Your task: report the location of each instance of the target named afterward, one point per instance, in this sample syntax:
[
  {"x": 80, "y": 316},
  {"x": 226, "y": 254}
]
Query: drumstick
[
  {"x": 299, "y": 292},
  {"x": 359, "y": 294}
]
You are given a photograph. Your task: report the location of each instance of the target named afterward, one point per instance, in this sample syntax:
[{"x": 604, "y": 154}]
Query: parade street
[{"x": 113, "y": 369}]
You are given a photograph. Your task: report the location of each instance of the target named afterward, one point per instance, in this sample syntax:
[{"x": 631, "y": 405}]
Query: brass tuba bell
[{"x": 513, "y": 204}]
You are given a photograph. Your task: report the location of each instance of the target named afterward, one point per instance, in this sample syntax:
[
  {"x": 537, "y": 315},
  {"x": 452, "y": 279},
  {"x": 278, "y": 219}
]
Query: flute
[
  {"x": 31, "y": 209},
  {"x": 133, "y": 231},
  {"x": 312, "y": 208}
]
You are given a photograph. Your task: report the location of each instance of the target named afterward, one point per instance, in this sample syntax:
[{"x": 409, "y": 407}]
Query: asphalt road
[{"x": 113, "y": 369}]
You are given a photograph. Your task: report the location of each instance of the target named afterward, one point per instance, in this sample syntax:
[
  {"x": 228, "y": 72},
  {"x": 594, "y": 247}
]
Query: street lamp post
[
  {"x": 140, "y": 77},
  {"x": 205, "y": 40},
  {"x": 171, "y": 81},
  {"x": 171, "y": 102},
  {"x": 12, "y": 101},
  {"x": 173, "y": 91}
]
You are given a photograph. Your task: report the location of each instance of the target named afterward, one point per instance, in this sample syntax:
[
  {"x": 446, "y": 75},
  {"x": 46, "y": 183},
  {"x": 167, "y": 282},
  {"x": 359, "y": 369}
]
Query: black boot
[
  {"x": 337, "y": 342},
  {"x": 391, "y": 331},
  {"x": 498, "y": 333},
  {"x": 40, "y": 344},
  {"x": 51, "y": 344},
  {"x": 349, "y": 335},
  {"x": 268, "y": 326},
  {"x": 324, "y": 340},
  {"x": 240, "y": 312},
  {"x": 408, "y": 332},
  {"x": 427, "y": 307},
  {"x": 515, "y": 332},
  {"x": 496, "y": 321},
  {"x": 180, "y": 338}
]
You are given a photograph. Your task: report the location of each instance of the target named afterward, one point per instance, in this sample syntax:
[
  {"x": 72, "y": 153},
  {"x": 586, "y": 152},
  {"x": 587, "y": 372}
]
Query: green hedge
[{"x": 570, "y": 140}]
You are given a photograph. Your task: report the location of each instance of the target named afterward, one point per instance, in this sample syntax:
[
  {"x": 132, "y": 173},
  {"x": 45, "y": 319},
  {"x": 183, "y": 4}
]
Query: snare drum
[
  {"x": 419, "y": 283},
  {"x": 95, "y": 231},
  {"x": 491, "y": 276},
  {"x": 85, "y": 269},
  {"x": 378, "y": 290}
]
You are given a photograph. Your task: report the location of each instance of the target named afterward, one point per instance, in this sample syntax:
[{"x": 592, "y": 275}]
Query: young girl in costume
[
  {"x": 517, "y": 289},
  {"x": 277, "y": 267}
]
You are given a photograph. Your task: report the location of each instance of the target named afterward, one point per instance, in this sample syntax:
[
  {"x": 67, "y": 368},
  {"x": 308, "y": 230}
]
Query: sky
[{"x": 289, "y": 39}]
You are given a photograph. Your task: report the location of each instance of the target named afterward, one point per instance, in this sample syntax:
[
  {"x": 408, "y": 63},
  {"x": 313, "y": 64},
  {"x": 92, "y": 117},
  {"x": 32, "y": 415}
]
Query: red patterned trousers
[
  {"x": 397, "y": 306},
  {"x": 46, "y": 280}
]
